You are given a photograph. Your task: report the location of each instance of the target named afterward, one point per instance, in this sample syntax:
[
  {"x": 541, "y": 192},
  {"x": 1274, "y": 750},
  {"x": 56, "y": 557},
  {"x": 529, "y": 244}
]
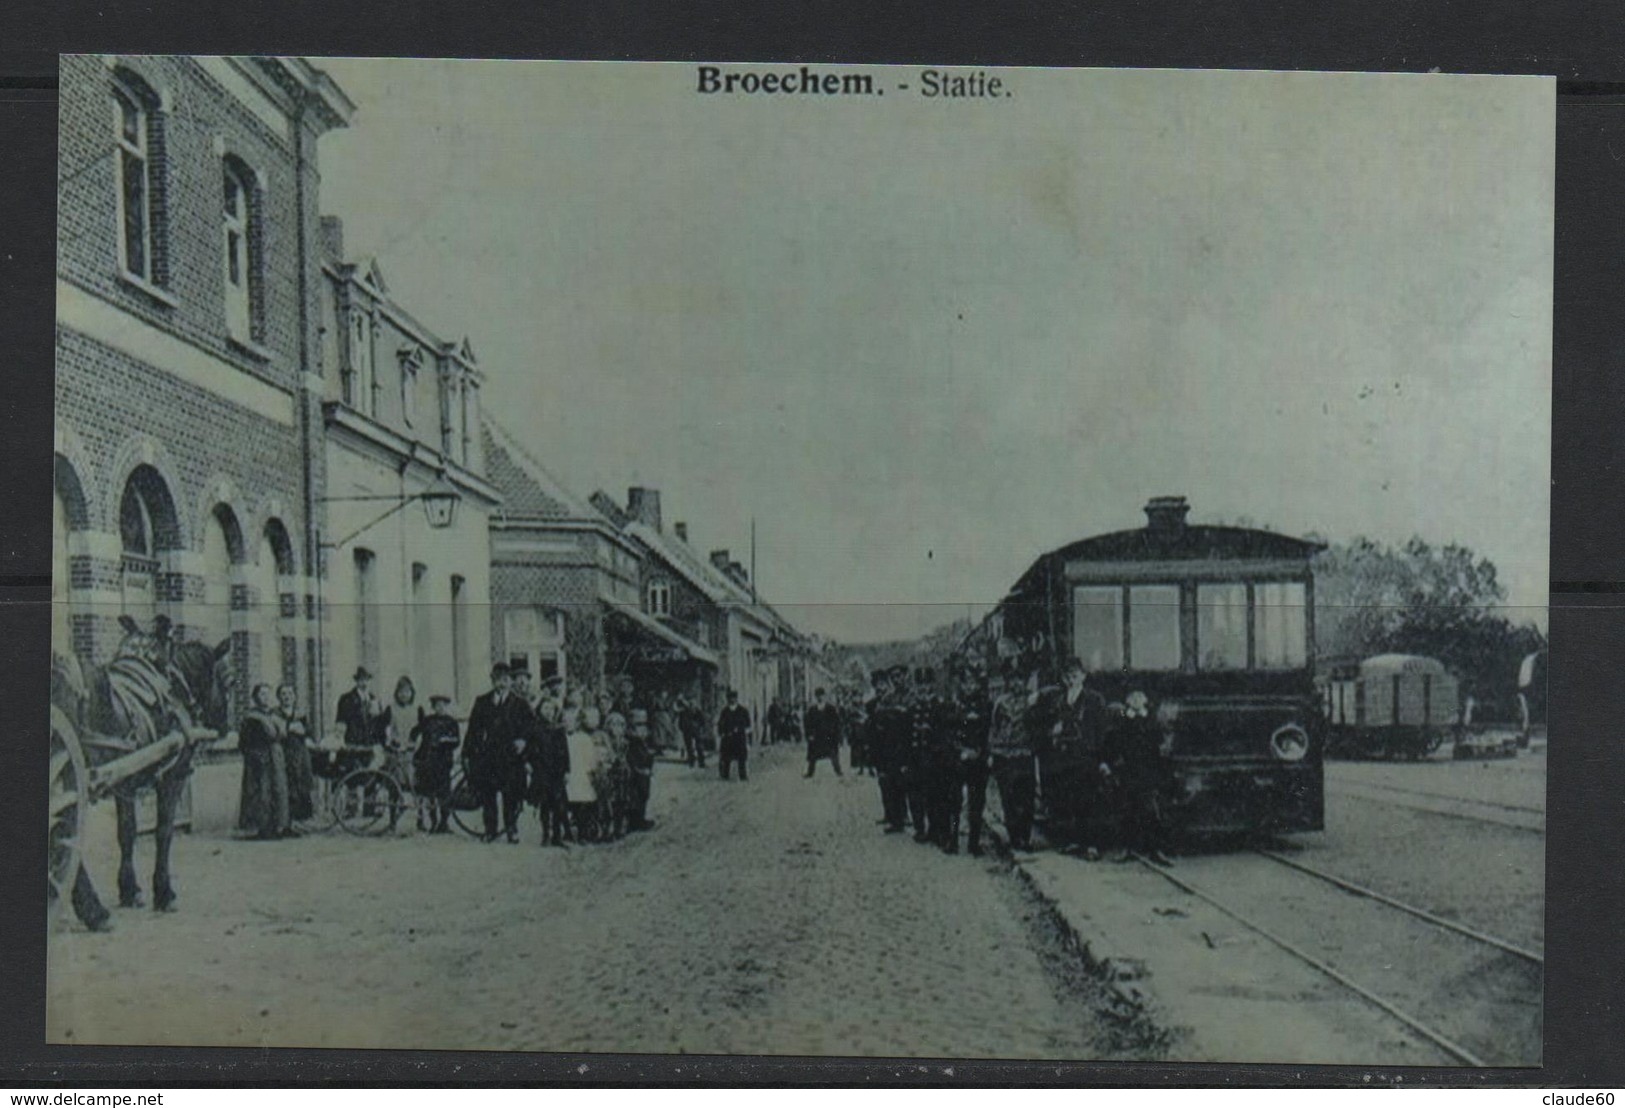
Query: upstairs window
[
  {"x": 410, "y": 359},
  {"x": 359, "y": 384},
  {"x": 138, "y": 184},
  {"x": 241, "y": 261}
]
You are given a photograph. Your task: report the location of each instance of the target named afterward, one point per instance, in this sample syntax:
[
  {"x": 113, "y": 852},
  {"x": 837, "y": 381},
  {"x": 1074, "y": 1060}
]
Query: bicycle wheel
[
  {"x": 369, "y": 802},
  {"x": 466, "y": 812}
]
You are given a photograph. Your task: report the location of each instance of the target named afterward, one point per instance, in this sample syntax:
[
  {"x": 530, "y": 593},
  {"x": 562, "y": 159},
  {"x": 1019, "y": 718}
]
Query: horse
[{"x": 152, "y": 687}]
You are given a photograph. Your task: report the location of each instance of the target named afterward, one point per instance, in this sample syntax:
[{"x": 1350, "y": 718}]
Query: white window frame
[
  {"x": 235, "y": 229},
  {"x": 139, "y": 149}
]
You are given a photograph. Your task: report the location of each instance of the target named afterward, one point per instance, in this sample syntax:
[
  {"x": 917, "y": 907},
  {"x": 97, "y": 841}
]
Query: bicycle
[{"x": 367, "y": 789}]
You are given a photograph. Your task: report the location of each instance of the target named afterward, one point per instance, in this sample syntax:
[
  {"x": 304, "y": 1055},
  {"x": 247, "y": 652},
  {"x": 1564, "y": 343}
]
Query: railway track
[
  {"x": 1513, "y": 816},
  {"x": 1419, "y": 1026}
]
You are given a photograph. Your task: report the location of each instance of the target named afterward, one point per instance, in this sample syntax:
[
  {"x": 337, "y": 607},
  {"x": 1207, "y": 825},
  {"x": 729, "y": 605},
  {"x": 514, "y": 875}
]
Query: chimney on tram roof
[
  {"x": 643, "y": 505},
  {"x": 1165, "y": 515},
  {"x": 680, "y": 529}
]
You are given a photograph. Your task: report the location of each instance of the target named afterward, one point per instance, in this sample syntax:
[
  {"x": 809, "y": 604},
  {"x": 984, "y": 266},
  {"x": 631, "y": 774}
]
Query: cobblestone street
[{"x": 771, "y": 917}]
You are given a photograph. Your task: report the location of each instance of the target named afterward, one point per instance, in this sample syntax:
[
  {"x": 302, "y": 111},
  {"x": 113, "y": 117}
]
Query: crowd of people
[
  {"x": 935, "y": 748},
  {"x": 584, "y": 762}
]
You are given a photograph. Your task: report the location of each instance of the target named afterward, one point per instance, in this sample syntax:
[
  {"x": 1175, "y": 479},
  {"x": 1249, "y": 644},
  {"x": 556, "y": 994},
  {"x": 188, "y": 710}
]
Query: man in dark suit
[
  {"x": 493, "y": 751},
  {"x": 1074, "y": 754},
  {"x": 733, "y": 733},
  {"x": 357, "y": 707},
  {"x": 888, "y": 746},
  {"x": 823, "y": 733}
]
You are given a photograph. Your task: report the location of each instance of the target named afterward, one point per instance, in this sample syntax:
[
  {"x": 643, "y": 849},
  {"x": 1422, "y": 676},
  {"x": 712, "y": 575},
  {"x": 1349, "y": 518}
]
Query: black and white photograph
[{"x": 800, "y": 559}]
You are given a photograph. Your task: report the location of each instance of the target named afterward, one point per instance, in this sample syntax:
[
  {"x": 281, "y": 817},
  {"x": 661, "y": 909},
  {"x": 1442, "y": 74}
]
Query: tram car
[
  {"x": 1215, "y": 627},
  {"x": 1400, "y": 706}
]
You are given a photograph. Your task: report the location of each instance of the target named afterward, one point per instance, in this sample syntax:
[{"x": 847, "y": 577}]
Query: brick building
[
  {"x": 187, "y": 328},
  {"x": 558, "y": 565},
  {"x": 401, "y": 418}
]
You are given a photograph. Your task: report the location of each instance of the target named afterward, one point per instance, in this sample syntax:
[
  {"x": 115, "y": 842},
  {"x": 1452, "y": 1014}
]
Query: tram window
[
  {"x": 1097, "y": 626},
  {"x": 1280, "y": 629},
  {"x": 1153, "y": 620},
  {"x": 1221, "y": 626}
]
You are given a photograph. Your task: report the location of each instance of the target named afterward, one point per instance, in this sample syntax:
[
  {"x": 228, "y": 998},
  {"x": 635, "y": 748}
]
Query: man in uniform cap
[
  {"x": 926, "y": 726},
  {"x": 640, "y": 763}
]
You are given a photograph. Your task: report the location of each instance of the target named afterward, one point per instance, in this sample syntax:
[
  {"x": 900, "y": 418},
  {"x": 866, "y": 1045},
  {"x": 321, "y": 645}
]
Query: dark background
[{"x": 1581, "y": 43}]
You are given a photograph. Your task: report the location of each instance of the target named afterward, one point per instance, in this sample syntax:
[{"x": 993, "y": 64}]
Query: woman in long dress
[
  {"x": 296, "y": 740},
  {"x": 264, "y": 806}
]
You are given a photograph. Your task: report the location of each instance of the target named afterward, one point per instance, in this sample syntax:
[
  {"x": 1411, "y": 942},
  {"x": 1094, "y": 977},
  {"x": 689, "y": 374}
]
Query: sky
[{"x": 921, "y": 342}]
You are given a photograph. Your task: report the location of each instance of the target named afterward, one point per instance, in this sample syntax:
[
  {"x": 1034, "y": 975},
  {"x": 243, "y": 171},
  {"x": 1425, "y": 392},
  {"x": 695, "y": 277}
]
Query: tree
[{"x": 1443, "y": 602}]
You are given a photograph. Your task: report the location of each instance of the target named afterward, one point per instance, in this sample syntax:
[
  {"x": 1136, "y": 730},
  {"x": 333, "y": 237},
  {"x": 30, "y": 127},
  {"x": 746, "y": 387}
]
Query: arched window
[
  {"x": 136, "y": 133},
  {"x": 240, "y": 260},
  {"x": 276, "y": 560},
  {"x": 147, "y": 526},
  {"x": 222, "y": 548}
]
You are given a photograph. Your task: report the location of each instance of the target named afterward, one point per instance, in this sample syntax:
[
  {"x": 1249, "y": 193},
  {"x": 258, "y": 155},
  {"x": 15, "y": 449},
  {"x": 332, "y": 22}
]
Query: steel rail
[
  {"x": 1409, "y": 909},
  {"x": 1438, "y": 1039},
  {"x": 1376, "y": 795}
]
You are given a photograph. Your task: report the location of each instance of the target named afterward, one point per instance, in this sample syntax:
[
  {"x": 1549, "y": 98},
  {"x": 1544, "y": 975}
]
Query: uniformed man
[
  {"x": 975, "y": 723},
  {"x": 1010, "y": 748},
  {"x": 733, "y": 733},
  {"x": 945, "y": 785},
  {"x": 640, "y": 764},
  {"x": 926, "y": 721}
]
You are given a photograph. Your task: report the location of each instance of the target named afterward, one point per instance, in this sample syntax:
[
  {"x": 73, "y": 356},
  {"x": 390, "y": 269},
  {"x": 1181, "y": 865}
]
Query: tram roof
[{"x": 1188, "y": 542}]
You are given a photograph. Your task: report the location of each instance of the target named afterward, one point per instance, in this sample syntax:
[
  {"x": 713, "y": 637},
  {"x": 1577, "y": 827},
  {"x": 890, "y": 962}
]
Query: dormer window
[{"x": 660, "y": 598}]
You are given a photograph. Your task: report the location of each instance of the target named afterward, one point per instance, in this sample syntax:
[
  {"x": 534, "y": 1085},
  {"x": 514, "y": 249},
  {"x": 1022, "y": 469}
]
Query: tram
[
  {"x": 1215, "y": 627},
  {"x": 1389, "y": 706}
]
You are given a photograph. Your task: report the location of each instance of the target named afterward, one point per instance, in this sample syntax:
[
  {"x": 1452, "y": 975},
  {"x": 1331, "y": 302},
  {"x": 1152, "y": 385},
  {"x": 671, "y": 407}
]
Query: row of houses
[{"x": 256, "y": 439}]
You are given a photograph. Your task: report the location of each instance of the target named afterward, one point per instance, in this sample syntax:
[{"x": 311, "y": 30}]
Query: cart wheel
[
  {"x": 369, "y": 802},
  {"x": 465, "y": 807},
  {"x": 69, "y": 785}
]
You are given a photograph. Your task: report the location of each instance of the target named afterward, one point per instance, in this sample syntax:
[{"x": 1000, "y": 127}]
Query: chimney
[
  {"x": 606, "y": 504},
  {"x": 332, "y": 238},
  {"x": 680, "y": 529},
  {"x": 719, "y": 559},
  {"x": 643, "y": 505},
  {"x": 1165, "y": 515}
]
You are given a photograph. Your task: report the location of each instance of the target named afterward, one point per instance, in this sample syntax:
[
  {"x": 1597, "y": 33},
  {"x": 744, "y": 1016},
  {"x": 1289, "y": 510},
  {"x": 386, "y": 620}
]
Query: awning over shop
[{"x": 663, "y": 636}]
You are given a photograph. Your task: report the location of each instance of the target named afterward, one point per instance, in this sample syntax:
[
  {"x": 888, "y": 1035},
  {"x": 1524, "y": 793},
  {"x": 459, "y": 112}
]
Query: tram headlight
[{"x": 1290, "y": 743}]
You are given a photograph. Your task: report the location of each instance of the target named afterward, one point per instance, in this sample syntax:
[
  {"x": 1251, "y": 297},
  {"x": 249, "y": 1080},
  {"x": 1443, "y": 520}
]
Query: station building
[{"x": 187, "y": 329}]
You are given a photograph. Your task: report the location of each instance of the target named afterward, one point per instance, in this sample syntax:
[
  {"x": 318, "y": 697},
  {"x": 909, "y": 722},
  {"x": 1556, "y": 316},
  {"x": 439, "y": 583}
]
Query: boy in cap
[{"x": 435, "y": 740}]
